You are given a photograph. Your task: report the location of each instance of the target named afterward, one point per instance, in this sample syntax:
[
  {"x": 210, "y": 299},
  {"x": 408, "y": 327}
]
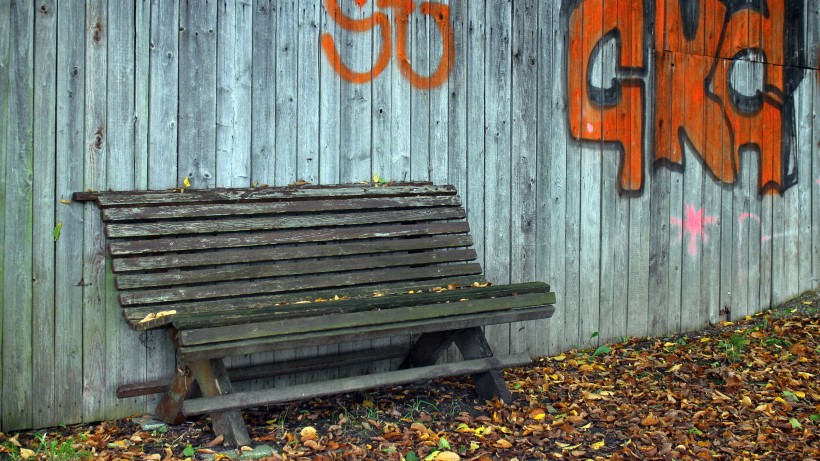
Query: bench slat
[
  {"x": 118, "y": 248},
  {"x": 329, "y": 322},
  {"x": 172, "y": 196},
  {"x": 290, "y": 222},
  {"x": 306, "y": 282},
  {"x": 241, "y": 316},
  {"x": 251, "y": 346},
  {"x": 227, "y": 273},
  {"x": 134, "y": 315},
  {"x": 342, "y": 385},
  {"x": 201, "y": 210}
]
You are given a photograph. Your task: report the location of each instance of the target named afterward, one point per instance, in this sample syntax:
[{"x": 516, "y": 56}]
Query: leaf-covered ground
[{"x": 735, "y": 391}]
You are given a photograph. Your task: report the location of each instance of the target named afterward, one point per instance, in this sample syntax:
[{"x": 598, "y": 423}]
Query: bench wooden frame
[{"x": 239, "y": 271}]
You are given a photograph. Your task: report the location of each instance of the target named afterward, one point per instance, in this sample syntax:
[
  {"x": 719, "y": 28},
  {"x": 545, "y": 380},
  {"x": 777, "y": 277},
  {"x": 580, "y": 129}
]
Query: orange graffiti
[
  {"x": 724, "y": 77},
  {"x": 440, "y": 14},
  {"x": 357, "y": 25},
  {"x": 611, "y": 114}
]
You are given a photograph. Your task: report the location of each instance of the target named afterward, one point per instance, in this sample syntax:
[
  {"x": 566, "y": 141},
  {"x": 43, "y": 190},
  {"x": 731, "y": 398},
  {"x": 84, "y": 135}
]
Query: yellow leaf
[
  {"x": 598, "y": 445},
  {"x": 746, "y": 401},
  {"x": 502, "y": 443},
  {"x": 726, "y": 324},
  {"x": 65, "y": 202},
  {"x": 375, "y": 177},
  {"x": 246, "y": 448},
  {"x": 808, "y": 303},
  {"x": 705, "y": 340},
  {"x": 560, "y": 358},
  {"x": 25, "y": 453},
  {"x": 307, "y": 433},
  {"x": 675, "y": 368},
  {"x": 153, "y": 457},
  {"x": 447, "y": 456},
  {"x": 474, "y": 446},
  {"x": 586, "y": 426},
  {"x": 186, "y": 182}
]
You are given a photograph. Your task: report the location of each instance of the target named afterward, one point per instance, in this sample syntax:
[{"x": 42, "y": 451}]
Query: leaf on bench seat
[{"x": 154, "y": 316}]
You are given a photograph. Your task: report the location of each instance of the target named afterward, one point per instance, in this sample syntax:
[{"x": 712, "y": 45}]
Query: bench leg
[
  {"x": 473, "y": 345},
  {"x": 428, "y": 349},
  {"x": 213, "y": 380},
  {"x": 169, "y": 408}
]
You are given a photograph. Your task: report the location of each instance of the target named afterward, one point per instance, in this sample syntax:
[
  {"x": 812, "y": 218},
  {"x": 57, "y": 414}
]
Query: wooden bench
[{"x": 241, "y": 271}]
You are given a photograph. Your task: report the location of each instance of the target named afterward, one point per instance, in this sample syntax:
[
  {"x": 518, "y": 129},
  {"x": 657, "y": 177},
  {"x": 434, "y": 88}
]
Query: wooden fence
[{"x": 656, "y": 161}]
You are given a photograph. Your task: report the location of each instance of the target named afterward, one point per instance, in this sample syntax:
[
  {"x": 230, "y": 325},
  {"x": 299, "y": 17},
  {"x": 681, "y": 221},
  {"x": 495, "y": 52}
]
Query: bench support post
[
  {"x": 473, "y": 345},
  {"x": 428, "y": 348},
  {"x": 213, "y": 381}
]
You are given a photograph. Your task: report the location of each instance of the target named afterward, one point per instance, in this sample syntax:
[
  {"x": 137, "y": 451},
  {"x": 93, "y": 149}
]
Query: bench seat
[{"x": 238, "y": 271}]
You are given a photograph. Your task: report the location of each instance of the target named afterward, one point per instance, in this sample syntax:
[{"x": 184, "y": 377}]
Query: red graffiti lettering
[
  {"x": 440, "y": 14},
  {"x": 724, "y": 77}
]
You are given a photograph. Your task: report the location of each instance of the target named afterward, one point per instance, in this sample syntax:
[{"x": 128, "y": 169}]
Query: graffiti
[
  {"x": 440, "y": 13},
  {"x": 722, "y": 79},
  {"x": 750, "y": 216},
  {"x": 694, "y": 225}
]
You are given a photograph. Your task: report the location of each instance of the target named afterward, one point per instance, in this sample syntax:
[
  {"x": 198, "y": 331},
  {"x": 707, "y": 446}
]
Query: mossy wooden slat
[
  {"x": 382, "y": 317},
  {"x": 280, "y": 253},
  {"x": 225, "y": 273},
  {"x": 307, "y": 282},
  {"x": 380, "y": 331},
  {"x": 199, "y": 210},
  {"x": 217, "y": 195},
  {"x": 337, "y": 386},
  {"x": 268, "y": 223},
  {"x": 240, "y": 316},
  {"x": 238, "y": 240},
  {"x": 135, "y": 315}
]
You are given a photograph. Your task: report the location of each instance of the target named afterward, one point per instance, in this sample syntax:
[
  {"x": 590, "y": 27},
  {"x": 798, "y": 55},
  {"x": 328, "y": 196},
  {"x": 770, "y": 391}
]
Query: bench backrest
[{"x": 200, "y": 251}]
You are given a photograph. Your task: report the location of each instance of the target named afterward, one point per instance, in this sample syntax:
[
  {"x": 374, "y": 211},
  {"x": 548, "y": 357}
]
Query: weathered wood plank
[
  {"x": 307, "y": 282},
  {"x": 126, "y": 166},
  {"x": 18, "y": 149},
  {"x": 197, "y": 93},
  {"x": 308, "y": 89},
  {"x": 357, "y": 304},
  {"x": 44, "y": 203},
  {"x": 419, "y": 30},
  {"x": 288, "y": 269},
  {"x": 524, "y": 161},
  {"x": 142, "y": 66},
  {"x": 264, "y": 238},
  {"x": 136, "y": 314},
  {"x": 263, "y": 92},
  {"x": 257, "y": 208},
  {"x": 272, "y": 396},
  {"x": 327, "y": 322},
  {"x": 329, "y": 121},
  {"x": 286, "y": 94},
  {"x": 5, "y": 92},
  {"x": 95, "y": 172},
  {"x": 243, "y": 257},
  {"x": 69, "y": 247},
  {"x": 342, "y": 191},
  {"x": 497, "y": 155},
  {"x": 295, "y": 222}
]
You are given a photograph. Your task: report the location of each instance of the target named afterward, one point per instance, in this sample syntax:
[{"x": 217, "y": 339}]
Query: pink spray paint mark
[
  {"x": 754, "y": 217},
  {"x": 694, "y": 224}
]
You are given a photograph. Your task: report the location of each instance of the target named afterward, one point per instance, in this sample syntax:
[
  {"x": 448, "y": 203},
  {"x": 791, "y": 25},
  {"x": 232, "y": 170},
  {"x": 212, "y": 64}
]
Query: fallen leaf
[
  {"x": 186, "y": 182},
  {"x": 25, "y": 453},
  {"x": 218, "y": 440}
]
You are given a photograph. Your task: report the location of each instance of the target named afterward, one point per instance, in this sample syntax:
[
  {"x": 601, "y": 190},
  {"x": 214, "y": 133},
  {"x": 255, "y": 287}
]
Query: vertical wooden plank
[
  {"x": 197, "y": 92},
  {"x": 142, "y": 66},
  {"x": 233, "y": 95},
  {"x": 17, "y": 296},
  {"x": 163, "y": 169},
  {"x": 420, "y": 117},
  {"x": 329, "y": 121},
  {"x": 308, "y": 88},
  {"x": 45, "y": 124},
  {"x": 438, "y": 42},
  {"x": 497, "y": 142},
  {"x": 383, "y": 112},
  {"x": 813, "y": 47},
  {"x": 524, "y": 161},
  {"x": 263, "y": 120},
  {"x": 96, "y": 151},
  {"x": 545, "y": 79},
  {"x": 696, "y": 222},
  {"x": 124, "y": 160},
  {"x": 70, "y": 174},
  {"x": 5, "y": 92},
  {"x": 164, "y": 92},
  {"x": 356, "y": 49},
  {"x": 661, "y": 321},
  {"x": 476, "y": 125},
  {"x": 807, "y": 148},
  {"x": 557, "y": 191},
  {"x": 286, "y": 92}
]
